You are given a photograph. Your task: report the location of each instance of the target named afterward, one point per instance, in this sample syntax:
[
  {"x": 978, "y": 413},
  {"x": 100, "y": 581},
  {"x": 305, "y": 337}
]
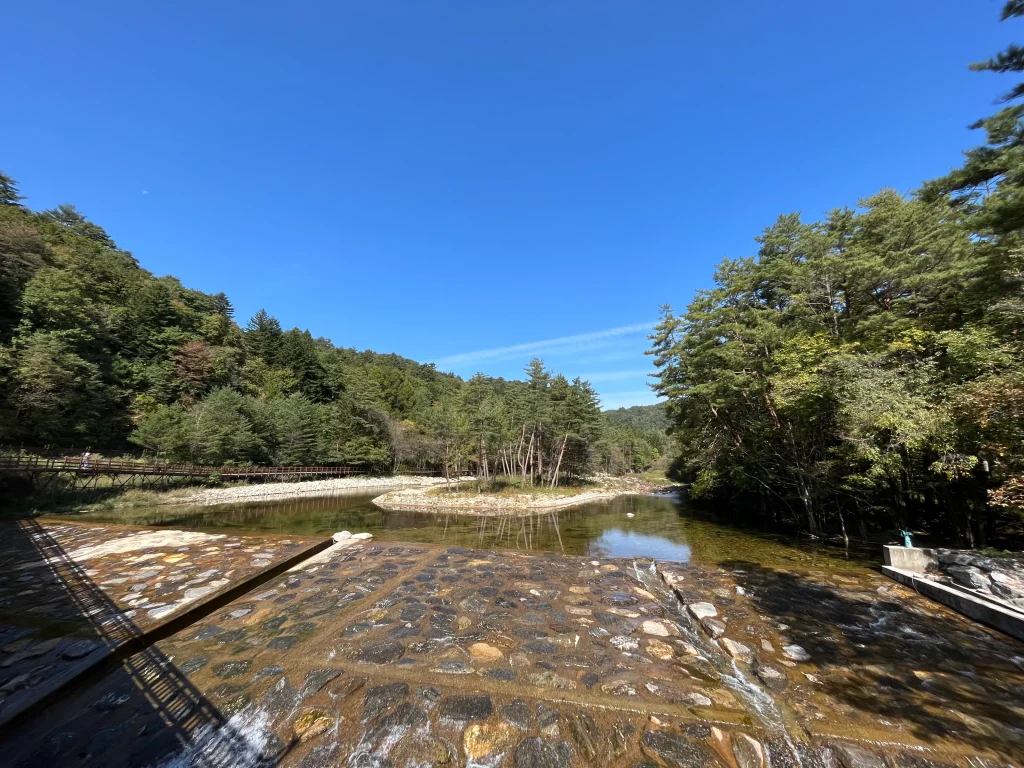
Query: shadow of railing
[{"x": 134, "y": 707}]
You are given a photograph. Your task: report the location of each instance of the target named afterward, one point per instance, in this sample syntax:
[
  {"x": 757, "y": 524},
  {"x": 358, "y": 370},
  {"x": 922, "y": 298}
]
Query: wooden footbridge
[{"x": 85, "y": 473}]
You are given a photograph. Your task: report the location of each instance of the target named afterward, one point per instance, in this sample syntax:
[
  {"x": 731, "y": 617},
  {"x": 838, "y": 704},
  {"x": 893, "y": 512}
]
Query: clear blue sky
[{"x": 443, "y": 178}]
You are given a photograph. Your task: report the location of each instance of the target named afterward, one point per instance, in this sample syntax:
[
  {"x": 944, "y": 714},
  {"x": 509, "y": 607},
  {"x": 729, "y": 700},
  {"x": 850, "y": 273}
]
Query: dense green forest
[
  {"x": 641, "y": 416},
  {"x": 867, "y": 369},
  {"x": 97, "y": 353}
]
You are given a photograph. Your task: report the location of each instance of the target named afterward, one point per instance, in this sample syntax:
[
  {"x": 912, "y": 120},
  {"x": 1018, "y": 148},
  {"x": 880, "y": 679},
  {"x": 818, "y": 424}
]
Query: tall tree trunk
[
  {"x": 520, "y": 462},
  {"x": 561, "y": 453},
  {"x": 529, "y": 455},
  {"x": 447, "y": 476},
  {"x": 805, "y": 497},
  {"x": 540, "y": 450}
]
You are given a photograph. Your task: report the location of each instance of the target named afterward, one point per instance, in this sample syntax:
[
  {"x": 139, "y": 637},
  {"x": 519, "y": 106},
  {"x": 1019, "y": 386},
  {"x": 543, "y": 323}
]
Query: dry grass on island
[{"x": 505, "y": 496}]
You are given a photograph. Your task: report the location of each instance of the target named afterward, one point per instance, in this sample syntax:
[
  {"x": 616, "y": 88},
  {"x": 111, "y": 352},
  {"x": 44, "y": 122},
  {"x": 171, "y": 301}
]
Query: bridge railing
[{"x": 36, "y": 464}]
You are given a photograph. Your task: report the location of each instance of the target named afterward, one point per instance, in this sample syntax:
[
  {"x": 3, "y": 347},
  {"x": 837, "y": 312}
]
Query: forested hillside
[
  {"x": 867, "y": 369},
  {"x": 640, "y": 416},
  {"x": 96, "y": 352},
  {"x": 635, "y": 439}
]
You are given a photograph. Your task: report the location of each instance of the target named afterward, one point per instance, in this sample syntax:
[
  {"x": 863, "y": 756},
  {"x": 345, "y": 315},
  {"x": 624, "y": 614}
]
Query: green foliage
[
  {"x": 95, "y": 351},
  {"x": 641, "y": 416},
  {"x": 866, "y": 369}
]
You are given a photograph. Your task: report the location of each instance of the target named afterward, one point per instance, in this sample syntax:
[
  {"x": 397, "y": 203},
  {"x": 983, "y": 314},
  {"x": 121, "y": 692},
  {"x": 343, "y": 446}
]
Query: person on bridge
[{"x": 85, "y": 460}]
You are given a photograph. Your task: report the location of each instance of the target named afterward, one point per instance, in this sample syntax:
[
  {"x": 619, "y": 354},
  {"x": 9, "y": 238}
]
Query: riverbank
[
  {"x": 277, "y": 491},
  {"x": 512, "y": 500},
  {"x": 112, "y": 498},
  {"x": 438, "y": 654}
]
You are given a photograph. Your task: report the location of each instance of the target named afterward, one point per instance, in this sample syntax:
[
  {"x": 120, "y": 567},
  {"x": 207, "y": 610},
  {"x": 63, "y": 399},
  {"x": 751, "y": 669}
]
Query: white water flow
[{"x": 732, "y": 676}]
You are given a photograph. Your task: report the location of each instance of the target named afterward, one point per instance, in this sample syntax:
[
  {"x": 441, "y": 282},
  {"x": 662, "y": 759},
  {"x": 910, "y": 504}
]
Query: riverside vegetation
[
  {"x": 860, "y": 373},
  {"x": 97, "y": 353},
  {"x": 867, "y": 370}
]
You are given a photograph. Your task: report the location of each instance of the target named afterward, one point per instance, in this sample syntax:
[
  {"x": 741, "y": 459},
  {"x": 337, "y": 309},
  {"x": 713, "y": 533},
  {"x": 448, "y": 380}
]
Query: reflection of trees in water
[
  {"x": 572, "y": 530},
  {"x": 525, "y": 532}
]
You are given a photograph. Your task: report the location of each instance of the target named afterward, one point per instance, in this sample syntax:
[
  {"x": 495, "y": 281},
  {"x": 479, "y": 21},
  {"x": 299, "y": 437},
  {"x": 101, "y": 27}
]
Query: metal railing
[{"x": 41, "y": 464}]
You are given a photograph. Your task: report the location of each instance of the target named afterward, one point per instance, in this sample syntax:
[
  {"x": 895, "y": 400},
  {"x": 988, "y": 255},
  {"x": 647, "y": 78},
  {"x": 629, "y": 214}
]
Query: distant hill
[{"x": 640, "y": 416}]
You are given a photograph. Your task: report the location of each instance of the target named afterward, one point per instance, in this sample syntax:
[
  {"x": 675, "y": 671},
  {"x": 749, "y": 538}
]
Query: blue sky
[{"x": 475, "y": 183}]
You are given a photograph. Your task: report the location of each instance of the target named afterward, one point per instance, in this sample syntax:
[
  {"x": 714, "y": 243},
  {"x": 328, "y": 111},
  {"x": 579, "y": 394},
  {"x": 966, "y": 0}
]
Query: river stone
[
  {"x": 622, "y": 737},
  {"x": 702, "y": 610},
  {"x": 659, "y": 628},
  {"x": 695, "y": 699},
  {"x": 232, "y": 668},
  {"x": 968, "y": 576},
  {"x": 584, "y": 732},
  {"x": 312, "y": 723},
  {"x": 774, "y": 679},
  {"x": 269, "y": 671},
  {"x": 549, "y": 679},
  {"x": 500, "y": 673},
  {"x": 79, "y": 649},
  {"x": 619, "y": 688},
  {"x": 193, "y": 665},
  {"x": 855, "y": 756},
  {"x": 624, "y": 643},
  {"x": 280, "y": 698},
  {"x": 748, "y": 752},
  {"x": 317, "y": 679},
  {"x": 713, "y": 627},
  {"x": 416, "y": 749},
  {"x": 381, "y": 697},
  {"x": 282, "y": 643},
  {"x": 541, "y": 647},
  {"x": 660, "y": 650},
  {"x": 405, "y": 715},
  {"x": 619, "y": 599},
  {"x": 737, "y": 649},
  {"x": 482, "y": 739},
  {"x": 671, "y": 750},
  {"x": 795, "y": 652},
  {"x": 381, "y": 653},
  {"x": 537, "y": 753},
  {"x": 518, "y": 714},
  {"x": 461, "y": 708},
  {"x": 547, "y": 720}
]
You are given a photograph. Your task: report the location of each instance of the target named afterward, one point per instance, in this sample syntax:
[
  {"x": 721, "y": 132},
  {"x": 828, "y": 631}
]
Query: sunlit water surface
[{"x": 661, "y": 527}]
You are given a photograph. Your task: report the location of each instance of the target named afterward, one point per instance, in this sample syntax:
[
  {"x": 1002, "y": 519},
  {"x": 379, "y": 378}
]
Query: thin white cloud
[
  {"x": 145, "y": 191},
  {"x": 562, "y": 344},
  {"x": 611, "y": 357},
  {"x": 616, "y": 375}
]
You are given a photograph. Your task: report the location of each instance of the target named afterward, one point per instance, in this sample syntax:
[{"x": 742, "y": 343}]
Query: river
[{"x": 657, "y": 527}]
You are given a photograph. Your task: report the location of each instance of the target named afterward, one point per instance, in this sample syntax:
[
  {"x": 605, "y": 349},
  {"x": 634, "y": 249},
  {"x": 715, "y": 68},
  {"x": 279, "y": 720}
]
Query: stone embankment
[
  {"x": 1002, "y": 577},
  {"x": 394, "y": 654},
  {"x": 277, "y": 491},
  {"x": 495, "y": 504}
]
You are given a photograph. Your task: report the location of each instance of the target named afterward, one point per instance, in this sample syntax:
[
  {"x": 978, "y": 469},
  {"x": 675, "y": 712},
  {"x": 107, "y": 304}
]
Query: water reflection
[{"x": 660, "y": 527}]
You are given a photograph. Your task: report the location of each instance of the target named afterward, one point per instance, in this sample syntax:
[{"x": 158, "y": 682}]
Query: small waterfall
[{"x": 732, "y": 676}]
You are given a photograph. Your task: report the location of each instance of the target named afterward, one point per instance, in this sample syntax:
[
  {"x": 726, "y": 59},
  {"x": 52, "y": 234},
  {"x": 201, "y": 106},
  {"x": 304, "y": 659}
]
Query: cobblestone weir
[
  {"x": 71, "y": 594},
  {"x": 395, "y": 655}
]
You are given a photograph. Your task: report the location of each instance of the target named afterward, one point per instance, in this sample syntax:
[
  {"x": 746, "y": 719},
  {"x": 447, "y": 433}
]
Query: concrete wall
[{"x": 913, "y": 559}]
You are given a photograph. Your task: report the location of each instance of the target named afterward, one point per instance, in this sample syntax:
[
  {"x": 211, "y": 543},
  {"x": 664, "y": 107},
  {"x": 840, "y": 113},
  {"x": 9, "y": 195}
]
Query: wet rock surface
[
  {"x": 406, "y": 655},
  {"x": 71, "y": 593},
  {"x": 1000, "y": 577}
]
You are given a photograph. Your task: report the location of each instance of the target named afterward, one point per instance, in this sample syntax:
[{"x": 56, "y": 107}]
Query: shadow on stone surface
[
  {"x": 66, "y": 626},
  {"x": 889, "y": 656}
]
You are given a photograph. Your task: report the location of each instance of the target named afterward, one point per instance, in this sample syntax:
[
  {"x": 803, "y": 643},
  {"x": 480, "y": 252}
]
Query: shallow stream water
[
  {"x": 661, "y": 527},
  {"x": 786, "y": 646}
]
